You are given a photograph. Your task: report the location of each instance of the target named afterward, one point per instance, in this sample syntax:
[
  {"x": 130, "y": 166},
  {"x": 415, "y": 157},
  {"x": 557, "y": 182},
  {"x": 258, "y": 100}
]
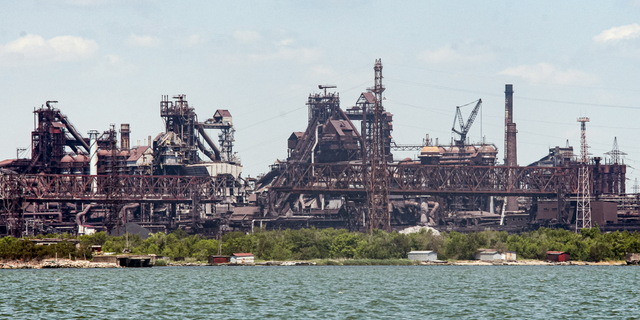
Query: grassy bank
[{"x": 344, "y": 247}]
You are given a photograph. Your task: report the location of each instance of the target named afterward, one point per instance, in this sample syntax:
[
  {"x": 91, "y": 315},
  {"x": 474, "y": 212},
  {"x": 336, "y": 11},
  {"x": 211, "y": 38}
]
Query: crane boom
[{"x": 464, "y": 128}]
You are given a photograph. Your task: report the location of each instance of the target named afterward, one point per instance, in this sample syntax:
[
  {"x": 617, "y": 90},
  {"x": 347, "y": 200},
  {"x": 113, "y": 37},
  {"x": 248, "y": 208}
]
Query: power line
[
  {"x": 519, "y": 97},
  {"x": 521, "y": 80}
]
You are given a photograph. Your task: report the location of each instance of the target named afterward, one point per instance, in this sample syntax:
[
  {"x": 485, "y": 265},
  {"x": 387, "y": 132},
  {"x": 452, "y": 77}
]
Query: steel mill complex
[{"x": 340, "y": 172}]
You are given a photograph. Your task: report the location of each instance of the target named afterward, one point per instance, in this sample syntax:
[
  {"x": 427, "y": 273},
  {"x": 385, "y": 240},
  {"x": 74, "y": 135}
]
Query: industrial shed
[
  {"x": 558, "y": 256},
  {"x": 488, "y": 255},
  {"x": 509, "y": 255},
  {"x": 218, "y": 259},
  {"x": 241, "y": 258},
  {"x": 423, "y": 255}
]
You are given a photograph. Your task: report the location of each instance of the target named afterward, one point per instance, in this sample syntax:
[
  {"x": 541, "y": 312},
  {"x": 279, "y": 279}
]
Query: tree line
[{"x": 309, "y": 244}]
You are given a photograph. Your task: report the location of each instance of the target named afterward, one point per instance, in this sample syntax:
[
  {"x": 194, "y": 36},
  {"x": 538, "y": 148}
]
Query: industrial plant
[{"x": 340, "y": 172}]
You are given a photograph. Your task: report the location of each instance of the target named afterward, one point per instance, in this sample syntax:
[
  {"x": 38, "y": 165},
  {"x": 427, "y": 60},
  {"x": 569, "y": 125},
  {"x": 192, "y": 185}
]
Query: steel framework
[
  {"x": 137, "y": 189},
  {"x": 583, "y": 208},
  {"x": 417, "y": 179},
  {"x": 378, "y": 178}
]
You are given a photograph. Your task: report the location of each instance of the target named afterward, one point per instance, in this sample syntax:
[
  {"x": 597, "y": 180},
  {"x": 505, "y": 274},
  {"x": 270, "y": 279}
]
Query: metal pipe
[
  {"x": 73, "y": 132},
  {"x": 206, "y": 138},
  {"x": 79, "y": 222},
  {"x": 313, "y": 150},
  {"x": 93, "y": 159}
]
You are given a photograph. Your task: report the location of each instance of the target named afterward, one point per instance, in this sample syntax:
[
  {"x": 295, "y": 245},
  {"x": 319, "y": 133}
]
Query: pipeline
[
  {"x": 82, "y": 214},
  {"x": 123, "y": 211}
]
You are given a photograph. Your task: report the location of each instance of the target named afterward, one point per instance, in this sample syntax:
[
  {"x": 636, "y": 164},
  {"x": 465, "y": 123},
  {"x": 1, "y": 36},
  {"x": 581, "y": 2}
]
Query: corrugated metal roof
[
  {"x": 296, "y": 135},
  {"x": 340, "y": 126},
  {"x": 369, "y": 97},
  {"x": 6, "y": 162},
  {"x": 222, "y": 113},
  {"x": 137, "y": 153},
  {"x": 243, "y": 254}
]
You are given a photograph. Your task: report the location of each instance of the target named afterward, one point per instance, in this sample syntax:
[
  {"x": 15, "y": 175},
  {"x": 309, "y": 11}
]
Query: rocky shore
[
  {"x": 53, "y": 263},
  {"x": 530, "y": 263},
  {"x": 79, "y": 264}
]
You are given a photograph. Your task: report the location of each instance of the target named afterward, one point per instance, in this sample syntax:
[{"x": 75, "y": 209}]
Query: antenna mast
[
  {"x": 378, "y": 188},
  {"x": 583, "y": 208}
]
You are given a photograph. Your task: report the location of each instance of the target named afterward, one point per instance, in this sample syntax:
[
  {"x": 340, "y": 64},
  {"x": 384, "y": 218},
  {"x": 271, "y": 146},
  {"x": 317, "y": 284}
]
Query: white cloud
[
  {"x": 34, "y": 48},
  {"x": 456, "y": 53},
  {"x": 547, "y": 73},
  {"x": 303, "y": 55},
  {"x": 618, "y": 33},
  {"x": 143, "y": 41},
  {"x": 286, "y": 42},
  {"x": 246, "y": 36},
  {"x": 195, "y": 40},
  {"x": 81, "y": 3},
  {"x": 111, "y": 66},
  {"x": 321, "y": 70}
]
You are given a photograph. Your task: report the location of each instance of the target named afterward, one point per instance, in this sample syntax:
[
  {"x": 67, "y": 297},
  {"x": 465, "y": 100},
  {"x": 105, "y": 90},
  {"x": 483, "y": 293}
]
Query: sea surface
[{"x": 334, "y": 292}]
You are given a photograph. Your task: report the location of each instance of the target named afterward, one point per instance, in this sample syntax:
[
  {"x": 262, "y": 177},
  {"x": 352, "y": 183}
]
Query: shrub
[{"x": 161, "y": 263}]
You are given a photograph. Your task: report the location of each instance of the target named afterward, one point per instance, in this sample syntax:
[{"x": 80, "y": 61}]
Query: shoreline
[
  {"x": 85, "y": 264},
  {"x": 54, "y": 264}
]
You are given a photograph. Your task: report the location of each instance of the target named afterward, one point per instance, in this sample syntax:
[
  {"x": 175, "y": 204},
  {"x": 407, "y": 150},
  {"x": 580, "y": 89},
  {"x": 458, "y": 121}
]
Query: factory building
[{"x": 339, "y": 172}]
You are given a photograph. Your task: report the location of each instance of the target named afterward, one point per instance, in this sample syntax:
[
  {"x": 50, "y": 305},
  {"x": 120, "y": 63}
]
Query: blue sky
[{"x": 110, "y": 62}]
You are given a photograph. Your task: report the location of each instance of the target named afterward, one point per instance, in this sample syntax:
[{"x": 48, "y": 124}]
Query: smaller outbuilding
[
  {"x": 488, "y": 255},
  {"x": 241, "y": 258},
  {"x": 509, "y": 255},
  {"x": 423, "y": 255},
  {"x": 218, "y": 259},
  {"x": 54, "y": 241},
  {"x": 559, "y": 256}
]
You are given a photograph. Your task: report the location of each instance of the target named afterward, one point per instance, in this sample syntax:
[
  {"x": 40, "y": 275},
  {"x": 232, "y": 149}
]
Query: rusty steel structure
[
  {"x": 114, "y": 192},
  {"x": 132, "y": 189},
  {"x": 451, "y": 179},
  {"x": 104, "y": 180},
  {"x": 338, "y": 173},
  {"x": 376, "y": 176},
  {"x": 583, "y": 208},
  {"x": 417, "y": 179}
]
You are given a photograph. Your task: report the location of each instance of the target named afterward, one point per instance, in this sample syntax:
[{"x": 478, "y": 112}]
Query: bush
[{"x": 161, "y": 263}]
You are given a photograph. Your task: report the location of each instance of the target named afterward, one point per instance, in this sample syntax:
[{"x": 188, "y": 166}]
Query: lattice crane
[{"x": 464, "y": 127}]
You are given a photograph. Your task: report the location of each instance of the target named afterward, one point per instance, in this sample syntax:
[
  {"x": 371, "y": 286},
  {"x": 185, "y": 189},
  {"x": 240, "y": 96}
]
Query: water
[{"x": 341, "y": 292}]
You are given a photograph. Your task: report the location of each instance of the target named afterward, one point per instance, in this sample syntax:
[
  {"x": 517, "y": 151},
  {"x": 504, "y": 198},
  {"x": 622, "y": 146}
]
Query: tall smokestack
[
  {"x": 510, "y": 144},
  {"x": 93, "y": 159},
  {"x": 124, "y": 136}
]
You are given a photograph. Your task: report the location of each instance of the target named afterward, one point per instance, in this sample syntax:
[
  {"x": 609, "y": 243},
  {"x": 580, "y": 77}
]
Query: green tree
[{"x": 346, "y": 245}]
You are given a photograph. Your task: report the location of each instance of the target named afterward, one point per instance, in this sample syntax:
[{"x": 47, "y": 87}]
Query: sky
[{"x": 110, "y": 61}]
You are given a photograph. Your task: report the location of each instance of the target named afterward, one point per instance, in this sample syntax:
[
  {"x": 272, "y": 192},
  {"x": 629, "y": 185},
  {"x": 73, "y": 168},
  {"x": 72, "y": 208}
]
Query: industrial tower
[
  {"x": 583, "y": 207},
  {"x": 615, "y": 153},
  {"x": 510, "y": 146},
  {"x": 378, "y": 188}
]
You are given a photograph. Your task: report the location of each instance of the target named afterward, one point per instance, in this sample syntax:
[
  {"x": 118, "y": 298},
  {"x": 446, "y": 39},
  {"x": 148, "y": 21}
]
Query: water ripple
[{"x": 348, "y": 292}]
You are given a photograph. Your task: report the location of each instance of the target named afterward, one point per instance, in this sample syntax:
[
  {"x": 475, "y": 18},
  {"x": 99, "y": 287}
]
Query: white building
[
  {"x": 423, "y": 255},
  {"x": 241, "y": 258},
  {"x": 488, "y": 255},
  {"x": 509, "y": 255}
]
